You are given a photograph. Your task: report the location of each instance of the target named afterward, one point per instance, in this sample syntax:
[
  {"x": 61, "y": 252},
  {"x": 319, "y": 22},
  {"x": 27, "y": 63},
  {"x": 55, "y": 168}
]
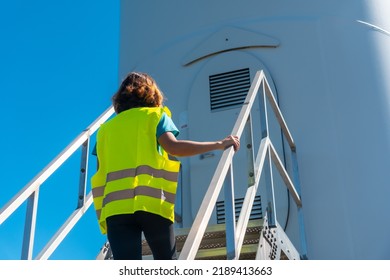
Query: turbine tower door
[{"x": 215, "y": 100}]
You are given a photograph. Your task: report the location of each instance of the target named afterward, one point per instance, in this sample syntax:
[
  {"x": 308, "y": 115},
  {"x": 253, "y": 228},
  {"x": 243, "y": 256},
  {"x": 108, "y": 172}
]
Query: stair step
[{"x": 213, "y": 244}]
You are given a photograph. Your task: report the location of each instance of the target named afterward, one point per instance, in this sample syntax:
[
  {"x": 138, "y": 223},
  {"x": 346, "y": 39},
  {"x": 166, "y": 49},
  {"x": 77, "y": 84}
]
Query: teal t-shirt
[{"x": 165, "y": 125}]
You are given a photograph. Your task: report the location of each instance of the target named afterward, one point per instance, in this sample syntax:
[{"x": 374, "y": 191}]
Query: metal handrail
[
  {"x": 235, "y": 232},
  {"x": 225, "y": 166},
  {"x": 31, "y": 190}
]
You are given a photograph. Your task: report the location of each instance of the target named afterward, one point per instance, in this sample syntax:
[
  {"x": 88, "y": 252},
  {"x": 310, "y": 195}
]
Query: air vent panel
[
  {"x": 256, "y": 213},
  {"x": 229, "y": 89}
]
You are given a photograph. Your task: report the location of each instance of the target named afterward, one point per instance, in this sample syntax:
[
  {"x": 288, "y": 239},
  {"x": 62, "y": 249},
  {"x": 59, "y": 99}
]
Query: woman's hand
[{"x": 231, "y": 140}]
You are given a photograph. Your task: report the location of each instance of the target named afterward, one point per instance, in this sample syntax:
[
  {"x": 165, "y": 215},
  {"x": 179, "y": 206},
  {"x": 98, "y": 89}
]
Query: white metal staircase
[{"x": 240, "y": 238}]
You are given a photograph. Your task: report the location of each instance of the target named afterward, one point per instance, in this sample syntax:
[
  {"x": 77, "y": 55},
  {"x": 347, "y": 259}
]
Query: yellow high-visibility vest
[{"x": 132, "y": 174}]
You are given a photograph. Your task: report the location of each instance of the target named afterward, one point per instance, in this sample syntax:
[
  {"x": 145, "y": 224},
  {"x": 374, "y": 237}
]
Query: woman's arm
[{"x": 182, "y": 148}]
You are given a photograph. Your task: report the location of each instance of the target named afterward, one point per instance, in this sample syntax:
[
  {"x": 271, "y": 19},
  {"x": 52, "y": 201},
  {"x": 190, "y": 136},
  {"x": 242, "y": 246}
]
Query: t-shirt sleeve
[{"x": 166, "y": 125}]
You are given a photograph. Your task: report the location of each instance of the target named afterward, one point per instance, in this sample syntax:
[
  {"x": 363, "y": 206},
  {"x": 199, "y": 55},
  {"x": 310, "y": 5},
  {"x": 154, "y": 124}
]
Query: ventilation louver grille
[
  {"x": 229, "y": 89},
  {"x": 256, "y": 213}
]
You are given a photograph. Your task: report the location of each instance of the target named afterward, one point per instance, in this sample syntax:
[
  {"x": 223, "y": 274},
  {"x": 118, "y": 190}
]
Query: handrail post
[
  {"x": 302, "y": 234},
  {"x": 83, "y": 173},
  {"x": 230, "y": 217},
  {"x": 249, "y": 151},
  {"x": 271, "y": 210},
  {"x": 179, "y": 198},
  {"x": 29, "y": 226}
]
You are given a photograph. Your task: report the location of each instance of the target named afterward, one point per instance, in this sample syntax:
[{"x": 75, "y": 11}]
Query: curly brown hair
[{"x": 137, "y": 90}]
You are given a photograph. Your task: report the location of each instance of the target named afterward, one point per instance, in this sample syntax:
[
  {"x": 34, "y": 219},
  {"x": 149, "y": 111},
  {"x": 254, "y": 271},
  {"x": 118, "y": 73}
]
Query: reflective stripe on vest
[
  {"x": 139, "y": 190},
  {"x": 143, "y": 169}
]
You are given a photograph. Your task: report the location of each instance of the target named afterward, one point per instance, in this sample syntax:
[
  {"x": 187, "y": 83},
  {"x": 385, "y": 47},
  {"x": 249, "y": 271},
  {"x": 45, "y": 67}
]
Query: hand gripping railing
[
  {"x": 31, "y": 190},
  {"x": 223, "y": 175}
]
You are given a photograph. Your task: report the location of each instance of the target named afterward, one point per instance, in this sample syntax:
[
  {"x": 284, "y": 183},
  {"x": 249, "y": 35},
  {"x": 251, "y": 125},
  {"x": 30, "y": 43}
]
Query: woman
[{"x": 135, "y": 185}]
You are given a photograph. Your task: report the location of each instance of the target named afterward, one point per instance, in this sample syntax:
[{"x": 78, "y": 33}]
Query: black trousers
[{"x": 124, "y": 233}]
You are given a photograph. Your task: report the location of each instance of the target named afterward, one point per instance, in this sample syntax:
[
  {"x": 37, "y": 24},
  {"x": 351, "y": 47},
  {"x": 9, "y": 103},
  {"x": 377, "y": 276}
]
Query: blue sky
[{"x": 58, "y": 71}]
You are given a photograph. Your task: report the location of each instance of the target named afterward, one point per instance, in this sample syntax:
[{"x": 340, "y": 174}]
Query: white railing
[
  {"x": 223, "y": 176},
  {"x": 31, "y": 190}
]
